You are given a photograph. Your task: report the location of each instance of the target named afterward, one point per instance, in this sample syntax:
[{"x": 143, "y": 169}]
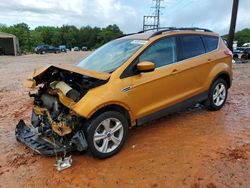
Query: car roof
[
  {"x": 138, "y": 36},
  {"x": 150, "y": 34}
]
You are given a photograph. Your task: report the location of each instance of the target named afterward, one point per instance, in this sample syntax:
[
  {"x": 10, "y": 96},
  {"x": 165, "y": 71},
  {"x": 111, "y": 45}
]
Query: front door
[{"x": 152, "y": 91}]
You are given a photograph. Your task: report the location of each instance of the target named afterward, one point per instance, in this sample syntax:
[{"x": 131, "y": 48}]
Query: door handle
[{"x": 175, "y": 71}]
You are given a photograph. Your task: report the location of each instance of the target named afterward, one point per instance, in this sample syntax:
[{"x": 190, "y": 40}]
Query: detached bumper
[{"x": 35, "y": 142}]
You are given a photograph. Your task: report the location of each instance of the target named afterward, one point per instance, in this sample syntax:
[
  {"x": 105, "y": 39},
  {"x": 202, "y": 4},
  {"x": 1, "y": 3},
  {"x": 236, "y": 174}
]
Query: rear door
[{"x": 196, "y": 63}]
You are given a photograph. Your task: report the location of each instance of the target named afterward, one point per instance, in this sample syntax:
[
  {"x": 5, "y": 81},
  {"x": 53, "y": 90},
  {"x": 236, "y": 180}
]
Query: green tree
[
  {"x": 3, "y": 27},
  {"x": 89, "y": 36},
  {"x": 109, "y": 33},
  {"x": 48, "y": 35},
  {"x": 242, "y": 36},
  {"x": 69, "y": 35}
]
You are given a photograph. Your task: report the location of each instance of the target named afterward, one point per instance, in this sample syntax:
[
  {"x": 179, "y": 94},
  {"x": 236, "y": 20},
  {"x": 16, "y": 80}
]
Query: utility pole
[
  {"x": 231, "y": 34},
  {"x": 153, "y": 21}
]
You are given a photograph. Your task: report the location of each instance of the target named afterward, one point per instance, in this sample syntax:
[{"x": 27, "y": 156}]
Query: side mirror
[{"x": 145, "y": 66}]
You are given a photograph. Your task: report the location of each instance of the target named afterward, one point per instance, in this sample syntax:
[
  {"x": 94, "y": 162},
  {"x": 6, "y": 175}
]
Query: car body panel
[
  {"x": 193, "y": 76},
  {"x": 113, "y": 95},
  {"x": 162, "y": 76},
  {"x": 72, "y": 68},
  {"x": 150, "y": 92}
]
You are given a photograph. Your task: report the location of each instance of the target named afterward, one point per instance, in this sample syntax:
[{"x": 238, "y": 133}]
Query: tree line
[
  {"x": 69, "y": 35},
  {"x": 242, "y": 36}
]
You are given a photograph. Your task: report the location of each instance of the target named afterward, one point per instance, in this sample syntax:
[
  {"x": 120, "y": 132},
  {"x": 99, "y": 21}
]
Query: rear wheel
[
  {"x": 217, "y": 95},
  {"x": 244, "y": 56},
  {"x": 236, "y": 56},
  {"x": 107, "y": 134}
]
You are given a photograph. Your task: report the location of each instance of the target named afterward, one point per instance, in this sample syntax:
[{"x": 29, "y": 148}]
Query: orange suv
[{"x": 126, "y": 82}]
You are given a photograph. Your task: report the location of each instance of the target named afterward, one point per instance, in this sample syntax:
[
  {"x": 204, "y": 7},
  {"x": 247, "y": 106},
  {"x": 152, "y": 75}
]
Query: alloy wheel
[
  {"x": 219, "y": 94},
  {"x": 108, "y": 135}
]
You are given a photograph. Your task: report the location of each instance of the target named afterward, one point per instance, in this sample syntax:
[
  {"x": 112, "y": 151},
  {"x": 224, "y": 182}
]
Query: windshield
[{"x": 111, "y": 55}]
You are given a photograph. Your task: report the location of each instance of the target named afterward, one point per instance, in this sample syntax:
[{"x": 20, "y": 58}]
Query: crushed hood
[{"x": 38, "y": 73}]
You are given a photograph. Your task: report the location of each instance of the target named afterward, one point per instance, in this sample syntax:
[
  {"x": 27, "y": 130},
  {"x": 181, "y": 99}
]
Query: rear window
[
  {"x": 192, "y": 46},
  {"x": 211, "y": 42}
]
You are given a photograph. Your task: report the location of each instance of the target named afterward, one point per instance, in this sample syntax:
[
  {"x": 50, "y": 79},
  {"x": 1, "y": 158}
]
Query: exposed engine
[
  {"x": 52, "y": 117},
  {"x": 50, "y": 113}
]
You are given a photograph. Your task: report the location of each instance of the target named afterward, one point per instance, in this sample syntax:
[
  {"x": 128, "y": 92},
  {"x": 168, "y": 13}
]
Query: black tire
[
  {"x": 210, "y": 103},
  {"x": 94, "y": 126},
  {"x": 236, "y": 56},
  {"x": 244, "y": 56}
]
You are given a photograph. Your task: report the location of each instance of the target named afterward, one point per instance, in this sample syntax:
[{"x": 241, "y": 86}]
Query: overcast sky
[{"x": 127, "y": 14}]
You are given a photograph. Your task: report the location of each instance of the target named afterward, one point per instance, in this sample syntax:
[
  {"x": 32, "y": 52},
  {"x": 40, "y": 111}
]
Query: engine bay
[{"x": 52, "y": 118}]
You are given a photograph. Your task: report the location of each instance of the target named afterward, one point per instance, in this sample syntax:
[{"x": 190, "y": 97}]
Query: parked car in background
[
  {"x": 241, "y": 49},
  {"x": 246, "y": 45},
  {"x": 236, "y": 53},
  {"x": 246, "y": 54},
  {"x": 42, "y": 49},
  {"x": 84, "y": 48},
  {"x": 63, "y": 48},
  {"x": 125, "y": 83},
  {"x": 76, "y": 48}
]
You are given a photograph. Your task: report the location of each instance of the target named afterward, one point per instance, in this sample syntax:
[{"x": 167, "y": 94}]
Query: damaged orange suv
[{"x": 126, "y": 82}]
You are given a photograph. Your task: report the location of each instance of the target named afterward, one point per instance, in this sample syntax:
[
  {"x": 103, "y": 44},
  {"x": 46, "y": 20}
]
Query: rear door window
[
  {"x": 210, "y": 42},
  {"x": 192, "y": 46}
]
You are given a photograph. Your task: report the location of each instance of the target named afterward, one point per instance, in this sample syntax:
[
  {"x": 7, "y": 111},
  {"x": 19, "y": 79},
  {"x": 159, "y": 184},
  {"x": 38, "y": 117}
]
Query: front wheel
[
  {"x": 217, "y": 95},
  {"x": 107, "y": 134}
]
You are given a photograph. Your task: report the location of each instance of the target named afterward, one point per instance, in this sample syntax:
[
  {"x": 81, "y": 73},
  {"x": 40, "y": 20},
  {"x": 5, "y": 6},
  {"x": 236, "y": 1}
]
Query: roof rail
[
  {"x": 166, "y": 29},
  {"x": 162, "y": 30}
]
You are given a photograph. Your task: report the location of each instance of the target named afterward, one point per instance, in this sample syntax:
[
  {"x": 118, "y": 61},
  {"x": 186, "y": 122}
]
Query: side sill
[{"x": 174, "y": 108}]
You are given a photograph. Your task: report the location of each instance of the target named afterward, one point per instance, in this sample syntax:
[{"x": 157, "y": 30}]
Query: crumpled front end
[
  {"x": 40, "y": 144},
  {"x": 55, "y": 127}
]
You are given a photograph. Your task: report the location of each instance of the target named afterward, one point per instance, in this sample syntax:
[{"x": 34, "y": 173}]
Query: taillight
[{"x": 228, "y": 52}]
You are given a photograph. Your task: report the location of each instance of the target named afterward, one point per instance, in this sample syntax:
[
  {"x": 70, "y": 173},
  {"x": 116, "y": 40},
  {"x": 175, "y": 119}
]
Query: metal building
[{"x": 9, "y": 44}]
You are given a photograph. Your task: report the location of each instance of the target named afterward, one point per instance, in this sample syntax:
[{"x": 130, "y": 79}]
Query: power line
[
  {"x": 153, "y": 21},
  {"x": 178, "y": 8}
]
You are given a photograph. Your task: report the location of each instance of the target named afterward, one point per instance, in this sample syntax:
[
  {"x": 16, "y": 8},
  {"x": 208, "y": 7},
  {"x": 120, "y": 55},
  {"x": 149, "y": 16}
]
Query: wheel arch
[
  {"x": 114, "y": 107},
  {"x": 220, "y": 70},
  {"x": 225, "y": 76}
]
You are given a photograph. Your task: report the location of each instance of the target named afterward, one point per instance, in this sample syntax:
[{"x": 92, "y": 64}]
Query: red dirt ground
[{"x": 194, "y": 148}]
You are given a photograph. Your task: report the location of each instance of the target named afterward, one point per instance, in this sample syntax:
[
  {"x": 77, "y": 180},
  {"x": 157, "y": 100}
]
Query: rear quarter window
[{"x": 210, "y": 42}]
